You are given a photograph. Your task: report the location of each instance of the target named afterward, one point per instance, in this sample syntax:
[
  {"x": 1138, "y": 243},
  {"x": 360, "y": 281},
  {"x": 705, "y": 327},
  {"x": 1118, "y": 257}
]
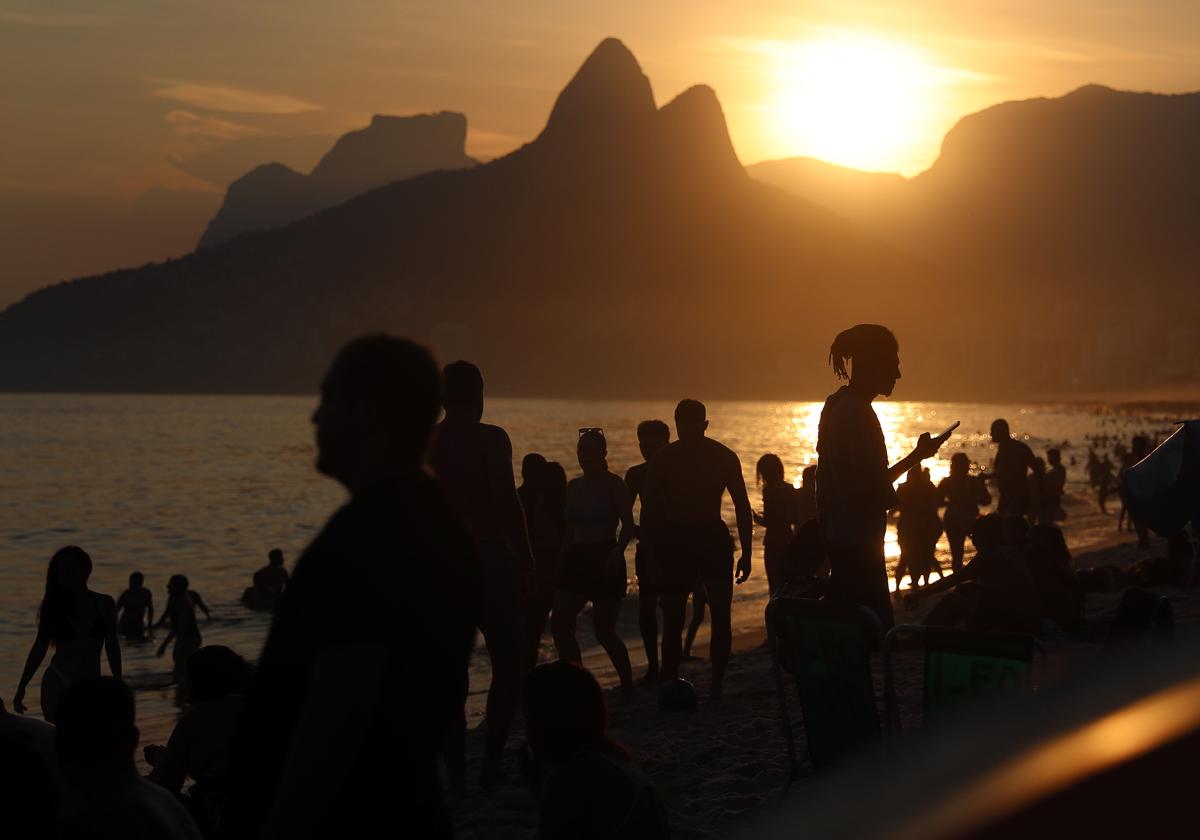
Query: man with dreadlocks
[{"x": 854, "y": 482}]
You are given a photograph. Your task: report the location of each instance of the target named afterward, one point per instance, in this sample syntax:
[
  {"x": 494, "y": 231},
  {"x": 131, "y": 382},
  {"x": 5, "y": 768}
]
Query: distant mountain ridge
[
  {"x": 624, "y": 252},
  {"x": 389, "y": 149}
]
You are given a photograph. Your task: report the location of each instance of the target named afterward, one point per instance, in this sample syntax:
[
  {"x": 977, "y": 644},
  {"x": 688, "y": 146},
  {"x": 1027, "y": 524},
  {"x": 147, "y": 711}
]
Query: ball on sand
[{"x": 677, "y": 695}]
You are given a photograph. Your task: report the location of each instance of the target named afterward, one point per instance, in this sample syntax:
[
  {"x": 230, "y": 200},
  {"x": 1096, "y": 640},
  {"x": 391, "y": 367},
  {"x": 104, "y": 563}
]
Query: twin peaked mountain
[{"x": 623, "y": 252}]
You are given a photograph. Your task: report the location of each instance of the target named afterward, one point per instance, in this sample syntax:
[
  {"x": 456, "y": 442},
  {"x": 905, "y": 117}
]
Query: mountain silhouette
[
  {"x": 624, "y": 251},
  {"x": 390, "y": 149},
  {"x": 1071, "y": 222}
]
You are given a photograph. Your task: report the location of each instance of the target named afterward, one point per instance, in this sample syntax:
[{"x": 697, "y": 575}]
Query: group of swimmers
[{"x": 362, "y": 682}]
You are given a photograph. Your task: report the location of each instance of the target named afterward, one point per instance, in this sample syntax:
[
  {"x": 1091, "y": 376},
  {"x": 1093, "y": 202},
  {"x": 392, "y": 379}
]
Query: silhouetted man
[
  {"x": 652, "y": 436},
  {"x": 1010, "y": 471},
  {"x": 95, "y": 740},
  {"x": 473, "y": 462},
  {"x": 681, "y": 513},
  {"x": 364, "y": 668}
]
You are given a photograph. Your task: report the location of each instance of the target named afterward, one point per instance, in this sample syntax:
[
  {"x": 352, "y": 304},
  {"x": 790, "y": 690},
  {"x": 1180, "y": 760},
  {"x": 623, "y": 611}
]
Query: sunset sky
[{"x": 99, "y": 98}]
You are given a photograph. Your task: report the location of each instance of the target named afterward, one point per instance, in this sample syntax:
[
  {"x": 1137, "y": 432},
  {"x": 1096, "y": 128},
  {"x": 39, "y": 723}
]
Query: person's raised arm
[
  {"x": 112, "y": 646},
  {"x": 32, "y": 662},
  {"x": 926, "y": 447},
  {"x": 505, "y": 501},
  {"x": 329, "y": 734},
  {"x": 736, "y": 484}
]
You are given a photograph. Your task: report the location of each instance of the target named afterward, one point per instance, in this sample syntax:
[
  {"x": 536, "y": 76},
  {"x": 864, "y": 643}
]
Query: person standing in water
[
  {"x": 652, "y": 436},
  {"x": 78, "y": 623},
  {"x": 1010, "y": 471},
  {"x": 681, "y": 514},
  {"x": 593, "y": 563},
  {"x": 136, "y": 606},
  {"x": 473, "y": 463},
  {"x": 961, "y": 494},
  {"x": 918, "y": 529},
  {"x": 854, "y": 481},
  {"x": 778, "y": 517},
  {"x": 1056, "y": 486},
  {"x": 180, "y": 613}
]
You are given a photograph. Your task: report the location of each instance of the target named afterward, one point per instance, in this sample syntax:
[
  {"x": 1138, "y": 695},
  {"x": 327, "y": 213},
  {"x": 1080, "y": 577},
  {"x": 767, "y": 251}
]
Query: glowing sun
[{"x": 853, "y": 101}]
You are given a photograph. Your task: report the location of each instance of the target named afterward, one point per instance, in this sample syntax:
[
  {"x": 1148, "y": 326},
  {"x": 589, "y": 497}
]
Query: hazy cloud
[
  {"x": 189, "y": 124},
  {"x": 234, "y": 100},
  {"x": 53, "y": 19}
]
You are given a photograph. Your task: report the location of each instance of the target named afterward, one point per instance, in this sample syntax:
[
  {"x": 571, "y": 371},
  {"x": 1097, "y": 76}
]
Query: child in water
[
  {"x": 136, "y": 606},
  {"x": 181, "y": 614}
]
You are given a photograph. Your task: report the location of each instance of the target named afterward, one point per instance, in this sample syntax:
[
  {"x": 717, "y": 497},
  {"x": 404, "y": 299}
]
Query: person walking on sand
[
  {"x": 593, "y": 562},
  {"x": 79, "y": 623},
  {"x": 652, "y": 436},
  {"x": 180, "y": 613},
  {"x": 365, "y": 666},
  {"x": 1010, "y": 471},
  {"x": 136, "y": 606},
  {"x": 854, "y": 481},
  {"x": 473, "y": 462},
  {"x": 778, "y": 517},
  {"x": 681, "y": 513}
]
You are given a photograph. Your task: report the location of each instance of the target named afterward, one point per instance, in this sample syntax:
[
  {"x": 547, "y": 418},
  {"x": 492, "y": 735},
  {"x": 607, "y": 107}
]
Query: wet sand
[{"x": 725, "y": 763}]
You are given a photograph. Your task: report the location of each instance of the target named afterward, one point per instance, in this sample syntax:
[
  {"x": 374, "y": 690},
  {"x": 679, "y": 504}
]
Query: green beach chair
[
  {"x": 826, "y": 646},
  {"x": 962, "y": 668}
]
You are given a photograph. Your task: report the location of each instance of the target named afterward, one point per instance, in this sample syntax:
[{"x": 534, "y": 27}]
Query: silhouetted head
[
  {"x": 275, "y": 557},
  {"x": 592, "y": 451},
  {"x": 1016, "y": 531},
  {"x": 690, "y": 419},
  {"x": 379, "y": 402},
  {"x": 215, "y": 671},
  {"x": 66, "y": 576},
  {"x": 769, "y": 469},
  {"x": 1054, "y": 457},
  {"x": 1000, "y": 430},
  {"x": 177, "y": 585},
  {"x": 960, "y": 464},
  {"x": 136, "y": 580},
  {"x": 808, "y": 475},
  {"x": 565, "y": 713},
  {"x": 533, "y": 466},
  {"x": 95, "y": 735},
  {"x": 874, "y": 356},
  {"x": 652, "y": 436},
  {"x": 987, "y": 534},
  {"x": 1046, "y": 544},
  {"x": 462, "y": 390}
]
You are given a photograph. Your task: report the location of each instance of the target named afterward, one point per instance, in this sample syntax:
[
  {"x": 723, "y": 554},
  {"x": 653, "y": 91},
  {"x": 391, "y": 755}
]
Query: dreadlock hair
[{"x": 858, "y": 342}]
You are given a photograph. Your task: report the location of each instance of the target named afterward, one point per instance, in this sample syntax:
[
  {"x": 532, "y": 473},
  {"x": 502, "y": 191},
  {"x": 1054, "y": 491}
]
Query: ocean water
[{"x": 206, "y": 485}]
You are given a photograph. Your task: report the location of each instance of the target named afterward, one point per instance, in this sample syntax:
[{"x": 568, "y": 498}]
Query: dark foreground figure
[
  {"x": 585, "y": 783},
  {"x": 365, "y": 665}
]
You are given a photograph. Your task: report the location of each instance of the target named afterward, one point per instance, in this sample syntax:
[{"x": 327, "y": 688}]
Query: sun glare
[{"x": 853, "y": 101}]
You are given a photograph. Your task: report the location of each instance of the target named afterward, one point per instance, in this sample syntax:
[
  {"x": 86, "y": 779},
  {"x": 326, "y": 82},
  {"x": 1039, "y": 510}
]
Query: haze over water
[{"x": 206, "y": 485}]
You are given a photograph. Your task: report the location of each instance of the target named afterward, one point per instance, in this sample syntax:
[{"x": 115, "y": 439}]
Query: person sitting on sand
[
  {"x": 681, "y": 515},
  {"x": 95, "y": 741},
  {"x": 30, "y": 784},
  {"x": 199, "y": 745},
  {"x": 961, "y": 494},
  {"x": 1048, "y": 559},
  {"x": 269, "y": 583},
  {"x": 918, "y": 529},
  {"x": 136, "y": 606},
  {"x": 365, "y": 668},
  {"x": 584, "y": 782},
  {"x": 593, "y": 562},
  {"x": 778, "y": 517},
  {"x": 78, "y": 623},
  {"x": 180, "y": 613},
  {"x": 994, "y": 592}
]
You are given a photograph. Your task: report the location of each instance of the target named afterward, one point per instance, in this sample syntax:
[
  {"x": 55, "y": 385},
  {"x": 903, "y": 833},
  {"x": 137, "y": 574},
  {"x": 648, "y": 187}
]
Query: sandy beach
[{"x": 724, "y": 764}]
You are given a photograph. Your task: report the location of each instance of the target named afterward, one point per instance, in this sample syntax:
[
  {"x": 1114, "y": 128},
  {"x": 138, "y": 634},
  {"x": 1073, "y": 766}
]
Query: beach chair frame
[
  {"x": 1019, "y": 649},
  {"x": 778, "y": 611}
]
